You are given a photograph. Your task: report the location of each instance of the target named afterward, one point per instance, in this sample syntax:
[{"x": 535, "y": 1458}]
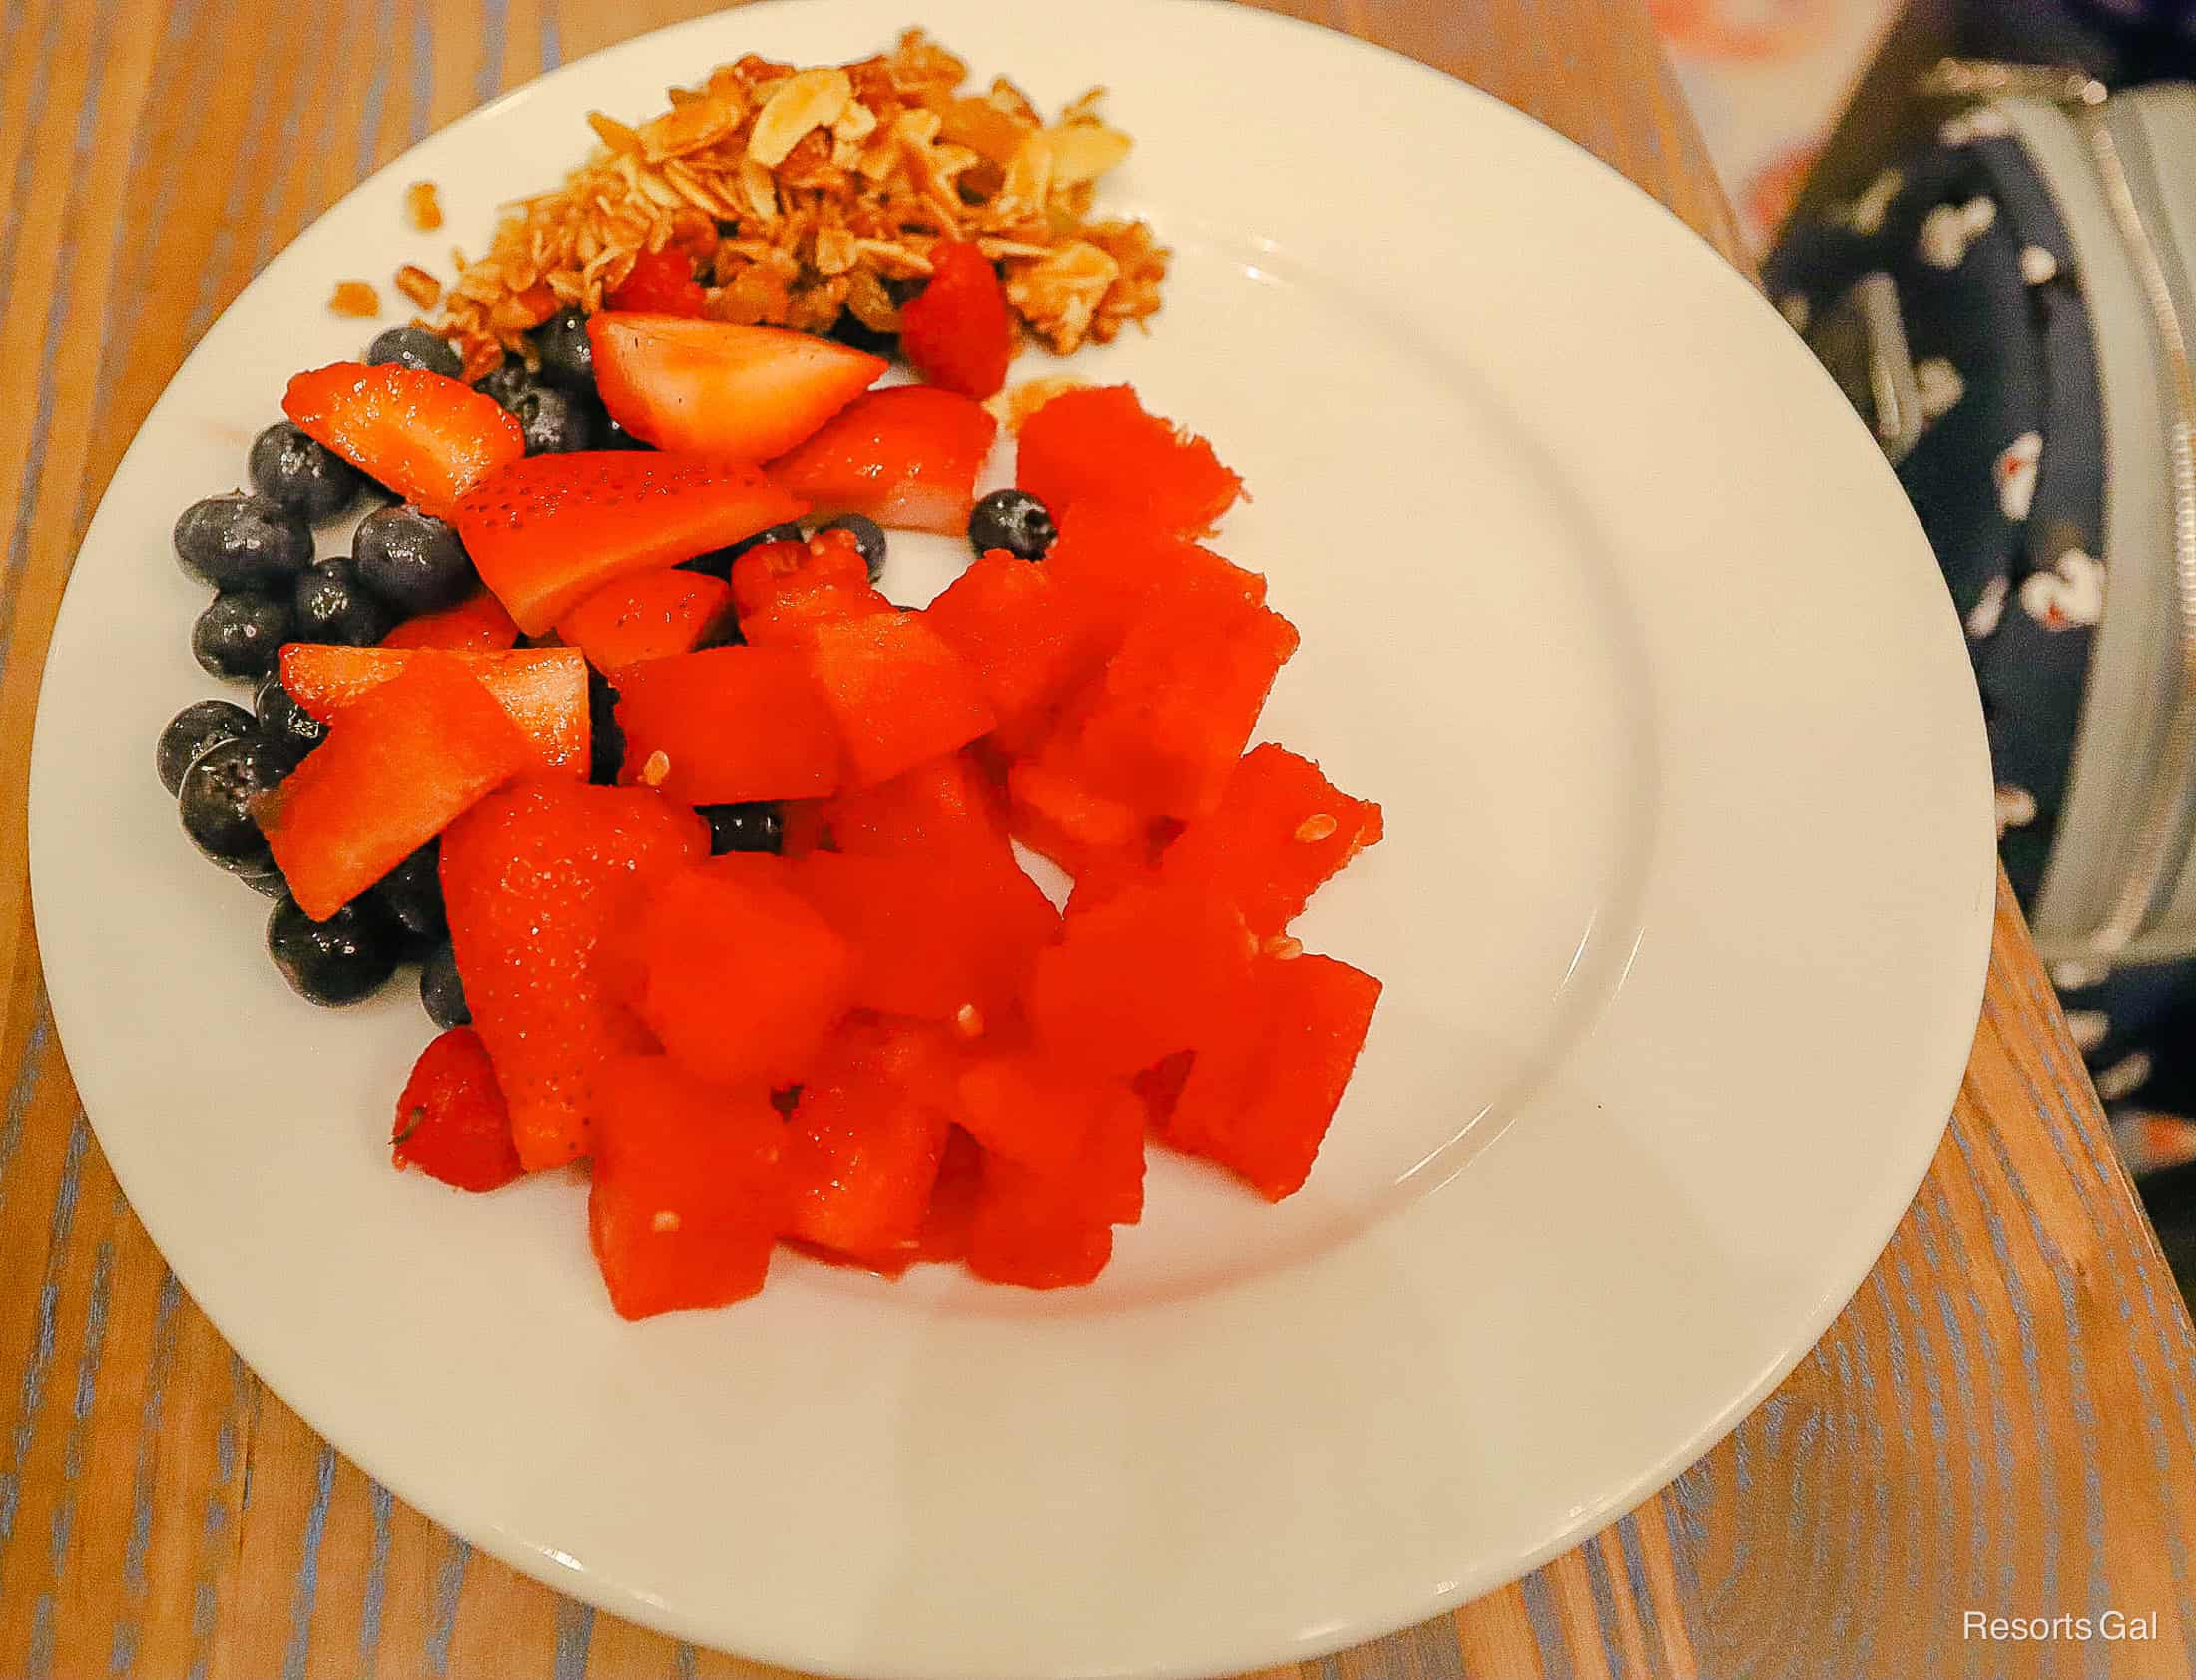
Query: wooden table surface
[{"x": 2003, "y": 1419}]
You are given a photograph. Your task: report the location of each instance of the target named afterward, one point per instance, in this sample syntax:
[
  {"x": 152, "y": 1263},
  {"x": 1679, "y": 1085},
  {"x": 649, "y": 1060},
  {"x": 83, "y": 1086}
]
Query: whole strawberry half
[
  {"x": 451, "y": 1122},
  {"x": 712, "y": 388},
  {"x": 958, "y": 333},
  {"x": 428, "y": 438}
]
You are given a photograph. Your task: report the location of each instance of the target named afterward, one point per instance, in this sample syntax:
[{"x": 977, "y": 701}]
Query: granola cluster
[{"x": 802, "y": 195}]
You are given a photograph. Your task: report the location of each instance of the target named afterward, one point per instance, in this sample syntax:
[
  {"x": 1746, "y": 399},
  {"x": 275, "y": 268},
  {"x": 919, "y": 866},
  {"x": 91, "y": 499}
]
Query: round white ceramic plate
[{"x": 1683, "y": 912}]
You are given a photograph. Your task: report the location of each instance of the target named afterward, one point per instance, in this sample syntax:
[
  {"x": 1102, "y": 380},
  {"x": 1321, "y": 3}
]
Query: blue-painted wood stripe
[
  {"x": 32, "y": 1394},
  {"x": 1634, "y": 1559},
  {"x": 1961, "y": 1263},
  {"x": 1606, "y": 1618},
  {"x": 684, "y": 1662},
  {"x": 22, "y": 1090},
  {"x": 19, "y": 189},
  {"x": 1982, "y": 1541},
  {"x": 495, "y": 20},
  {"x": 449, "y": 1583},
  {"x": 306, "y": 1587},
  {"x": 379, "y": 50},
  {"x": 575, "y": 1632},
  {"x": 1547, "y": 1627},
  {"x": 222, "y": 249},
  {"x": 1901, "y": 1384},
  {"x": 2131, "y": 1258},
  {"x": 380, "y": 1503},
  {"x": 119, "y": 330},
  {"x": 94, "y": 1349},
  {"x": 244, "y": 1399},
  {"x": 552, "y": 55},
  {"x": 122, "y": 1654},
  {"x": 422, "y": 113},
  {"x": 166, "y": 1334},
  {"x": 1940, "y": 1443},
  {"x": 271, "y": 222},
  {"x": 57, "y": 322}
]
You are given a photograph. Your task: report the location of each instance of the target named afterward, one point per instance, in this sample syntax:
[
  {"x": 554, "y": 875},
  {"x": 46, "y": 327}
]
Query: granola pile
[{"x": 802, "y": 195}]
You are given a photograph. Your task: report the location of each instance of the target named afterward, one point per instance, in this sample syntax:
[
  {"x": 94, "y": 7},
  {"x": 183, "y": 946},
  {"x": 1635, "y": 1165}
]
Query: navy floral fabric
[{"x": 2008, "y": 479}]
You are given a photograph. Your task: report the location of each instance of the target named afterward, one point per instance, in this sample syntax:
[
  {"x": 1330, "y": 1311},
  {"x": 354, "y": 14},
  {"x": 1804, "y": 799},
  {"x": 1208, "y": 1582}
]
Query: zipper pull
[{"x": 1979, "y": 78}]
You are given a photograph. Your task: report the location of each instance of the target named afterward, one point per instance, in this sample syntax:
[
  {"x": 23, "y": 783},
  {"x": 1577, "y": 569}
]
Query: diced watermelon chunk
[
  {"x": 1019, "y": 631},
  {"x": 1044, "y": 1230},
  {"x": 397, "y": 765},
  {"x": 866, "y": 1141},
  {"x": 689, "y": 1191},
  {"x": 650, "y": 616},
  {"x": 1177, "y": 704},
  {"x": 477, "y": 624},
  {"x": 1097, "y": 447},
  {"x": 1055, "y": 811},
  {"x": 947, "y": 804},
  {"x": 729, "y": 724},
  {"x": 544, "y": 690},
  {"x": 898, "y": 693},
  {"x": 944, "y": 936},
  {"x": 1139, "y": 977},
  {"x": 1020, "y": 1105},
  {"x": 907, "y": 457},
  {"x": 1280, "y": 829},
  {"x": 945, "y": 1233},
  {"x": 783, "y": 587},
  {"x": 535, "y": 878},
  {"x": 736, "y": 975},
  {"x": 1263, "y": 1090}
]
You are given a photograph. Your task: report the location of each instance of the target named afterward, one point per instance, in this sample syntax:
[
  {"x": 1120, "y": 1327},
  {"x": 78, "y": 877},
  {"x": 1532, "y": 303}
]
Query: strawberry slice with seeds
[
  {"x": 661, "y": 283},
  {"x": 428, "y": 438},
  {"x": 906, "y": 457},
  {"x": 959, "y": 333},
  {"x": 549, "y": 531},
  {"x": 713, "y": 389}
]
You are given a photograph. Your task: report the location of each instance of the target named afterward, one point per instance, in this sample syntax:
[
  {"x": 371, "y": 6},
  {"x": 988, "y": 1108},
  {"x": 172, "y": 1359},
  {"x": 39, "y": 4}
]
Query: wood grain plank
[{"x": 2003, "y": 1414}]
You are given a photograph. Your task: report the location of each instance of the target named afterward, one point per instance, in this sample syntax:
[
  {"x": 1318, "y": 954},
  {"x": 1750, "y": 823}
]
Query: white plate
[{"x": 1683, "y": 914}]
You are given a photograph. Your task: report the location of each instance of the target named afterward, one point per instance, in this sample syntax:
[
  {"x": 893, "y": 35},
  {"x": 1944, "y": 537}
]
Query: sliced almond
[
  {"x": 803, "y": 102},
  {"x": 1085, "y": 151},
  {"x": 759, "y": 188},
  {"x": 702, "y": 121},
  {"x": 1028, "y": 177},
  {"x": 613, "y": 133}
]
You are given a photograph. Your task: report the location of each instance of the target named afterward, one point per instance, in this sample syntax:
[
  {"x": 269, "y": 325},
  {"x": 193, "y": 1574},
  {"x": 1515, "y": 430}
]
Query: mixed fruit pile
[{"x": 705, "y": 848}]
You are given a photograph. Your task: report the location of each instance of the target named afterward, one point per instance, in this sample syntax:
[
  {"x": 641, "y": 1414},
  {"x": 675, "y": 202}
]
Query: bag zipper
[{"x": 2156, "y": 862}]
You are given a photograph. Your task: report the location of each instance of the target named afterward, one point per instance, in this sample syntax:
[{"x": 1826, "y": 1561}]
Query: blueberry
[
  {"x": 333, "y": 604},
  {"x": 567, "y": 358},
  {"x": 504, "y": 381},
  {"x": 1013, "y": 520},
  {"x": 751, "y": 826},
  {"x": 411, "y": 560},
  {"x": 412, "y": 894},
  {"x": 272, "y": 885},
  {"x": 868, "y": 536},
  {"x": 605, "y": 739},
  {"x": 441, "y": 990},
  {"x": 281, "y": 719},
  {"x": 241, "y": 633},
  {"x": 415, "y": 346},
  {"x": 242, "y": 542},
  {"x": 215, "y": 802},
  {"x": 308, "y": 478},
  {"x": 556, "y": 422},
  {"x": 614, "y": 436},
  {"x": 717, "y": 562},
  {"x": 202, "y": 723},
  {"x": 851, "y": 330},
  {"x": 341, "y": 960}
]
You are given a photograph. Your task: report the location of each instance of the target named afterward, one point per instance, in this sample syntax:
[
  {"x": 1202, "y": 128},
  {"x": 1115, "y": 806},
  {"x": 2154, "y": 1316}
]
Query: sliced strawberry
[
  {"x": 906, "y": 457},
  {"x": 959, "y": 333},
  {"x": 451, "y": 1121},
  {"x": 477, "y": 624},
  {"x": 650, "y": 614},
  {"x": 536, "y": 877},
  {"x": 661, "y": 283},
  {"x": 428, "y": 438},
  {"x": 738, "y": 392},
  {"x": 396, "y": 768},
  {"x": 549, "y": 531},
  {"x": 543, "y": 689}
]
